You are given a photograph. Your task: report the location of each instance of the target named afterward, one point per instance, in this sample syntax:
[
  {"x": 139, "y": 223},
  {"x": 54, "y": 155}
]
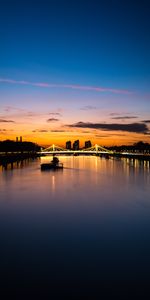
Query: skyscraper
[
  {"x": 88, "y": 144},
  {"x": 68, "y": 145},
  {"x": 76, "y": 145}
]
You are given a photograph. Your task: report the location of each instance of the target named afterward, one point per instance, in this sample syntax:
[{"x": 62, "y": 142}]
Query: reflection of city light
[
  {"x": 96, "y": 163},
  {"x": 53, "y": 182}
]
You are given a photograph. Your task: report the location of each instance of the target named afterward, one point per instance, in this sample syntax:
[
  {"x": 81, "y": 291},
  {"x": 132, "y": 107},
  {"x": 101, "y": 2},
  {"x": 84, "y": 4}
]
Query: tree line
[
  {"x": 137, "y": 147},
  {"x": 12, "y": 146}
]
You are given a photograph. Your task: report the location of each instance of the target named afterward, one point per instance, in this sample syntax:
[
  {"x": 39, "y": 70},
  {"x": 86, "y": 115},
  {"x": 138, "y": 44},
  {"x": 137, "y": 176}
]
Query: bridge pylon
[
  {"x": 54, "y": 148},
  {"x": 97, "y": 148}
]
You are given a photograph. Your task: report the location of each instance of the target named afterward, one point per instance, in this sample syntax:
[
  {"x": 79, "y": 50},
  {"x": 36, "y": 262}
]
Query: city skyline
[{"x": 76, "y": 70}]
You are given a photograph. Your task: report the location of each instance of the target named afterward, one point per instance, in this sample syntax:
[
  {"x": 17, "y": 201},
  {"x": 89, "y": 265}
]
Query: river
[{"x": 85, "y": 226}]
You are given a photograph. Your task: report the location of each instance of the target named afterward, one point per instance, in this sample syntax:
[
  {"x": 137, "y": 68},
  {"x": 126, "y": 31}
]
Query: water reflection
[
  {"x": 53, "y": 182},
  {"x": 16, "y": 164},
  {"x": 89, "y": 223}
]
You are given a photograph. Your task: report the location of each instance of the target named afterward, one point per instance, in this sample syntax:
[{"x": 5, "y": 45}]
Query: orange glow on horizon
[{"x": 103, "y": 138}]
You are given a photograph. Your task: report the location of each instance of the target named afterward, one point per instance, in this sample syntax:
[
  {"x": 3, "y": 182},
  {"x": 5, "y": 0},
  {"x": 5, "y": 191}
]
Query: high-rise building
[
  {"x": 76, "y": 145},
  {"x": 88, "y": 144},
  {"x": 68, "y": 145},
  {"x": 21, "y": 139},
  {"x": 16, "y": 139}
]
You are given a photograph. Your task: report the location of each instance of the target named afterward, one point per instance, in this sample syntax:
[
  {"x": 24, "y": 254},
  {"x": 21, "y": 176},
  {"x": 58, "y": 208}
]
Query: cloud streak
[
  {"x": 6, "y": 121},
  {"x": 88, "y": 107},
  {"x": 124, "y": 118},
  {"x": 40, "y": 130},
  {"x": 146, "y": 121},
  {"x": 132, "y": 127},
  {"x": 58, "y": 130},
  {"x": 67, "y": 86},
  {"x": 55, "y": 114},
  {"x": 53, "y": 120}
]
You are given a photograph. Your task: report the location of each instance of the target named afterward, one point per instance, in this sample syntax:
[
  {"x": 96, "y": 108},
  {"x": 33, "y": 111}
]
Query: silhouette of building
[
  {"x": 21, "y": 139},
  {"x": 76, "y": 145},
  {"x": 16, "y": 139},
  {"x": 68, "y": 145},
  {"x": 88, "y": 144}
]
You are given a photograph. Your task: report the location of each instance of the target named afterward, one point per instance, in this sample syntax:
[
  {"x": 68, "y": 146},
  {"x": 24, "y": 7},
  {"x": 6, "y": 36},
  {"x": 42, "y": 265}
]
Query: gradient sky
[{"x": 75, "y": 69}]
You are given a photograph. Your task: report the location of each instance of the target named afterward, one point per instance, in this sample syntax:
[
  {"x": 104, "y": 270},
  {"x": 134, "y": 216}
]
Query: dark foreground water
[{"x": 84, "y": 229}]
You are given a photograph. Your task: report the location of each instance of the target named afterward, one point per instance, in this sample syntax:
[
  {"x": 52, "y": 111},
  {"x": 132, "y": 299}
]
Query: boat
[{"x": 53, "y": 165}]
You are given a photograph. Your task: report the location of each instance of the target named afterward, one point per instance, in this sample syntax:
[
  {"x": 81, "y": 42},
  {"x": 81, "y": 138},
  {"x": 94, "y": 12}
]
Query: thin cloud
[
  {"x": 102, "y": 136},
  {"x": 124, "y": 118},
  {"x": 86, "y": 131},
  {"x": 5, "y": 131},
  {"x": 55, "y": 114},
  {"x": 9, "y": 108},
  {"x": 6, "y": 121},
  {"x": 31, "y": 114},
  {"x": 114, "y": 114},
  {"x": 132, "y": 127},
  {"x": 53, "y": 120},
  {"x": 57, "y": 130},
  {"x": 43, "y": 130},
  {"x": 118, "y": 134},
  {"x": 67, "y": 86},
  {"x": 40, "y": 130},
  {"x": 18, "y": 112},
  {"x": 146, "y": 121},
  {"x": 88, "y": 107}
]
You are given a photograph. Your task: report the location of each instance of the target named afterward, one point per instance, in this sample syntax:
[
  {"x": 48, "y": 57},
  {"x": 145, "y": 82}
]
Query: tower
[
  {"x": 76, "y": 145},
  {"x": 88, "y": 144},
  {"x": 68, "y": 145}
]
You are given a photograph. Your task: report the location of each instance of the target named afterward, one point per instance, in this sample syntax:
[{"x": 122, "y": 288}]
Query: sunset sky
[{"x": 75, "y": 69}]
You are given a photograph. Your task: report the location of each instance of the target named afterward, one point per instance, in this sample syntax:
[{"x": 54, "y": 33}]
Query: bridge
[{"x": 96, "y": 149}]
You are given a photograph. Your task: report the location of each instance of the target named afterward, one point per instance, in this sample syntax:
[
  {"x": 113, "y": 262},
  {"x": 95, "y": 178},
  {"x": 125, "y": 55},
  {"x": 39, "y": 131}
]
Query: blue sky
[{"x": 88, "y": 43}]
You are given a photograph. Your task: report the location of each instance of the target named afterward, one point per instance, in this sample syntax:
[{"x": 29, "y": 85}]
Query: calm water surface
[{"x": 84, "y": 226}]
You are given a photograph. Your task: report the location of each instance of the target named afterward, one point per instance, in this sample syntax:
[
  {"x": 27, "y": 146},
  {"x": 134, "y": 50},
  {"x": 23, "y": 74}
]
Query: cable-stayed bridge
[{"x": 96, "y": 149}]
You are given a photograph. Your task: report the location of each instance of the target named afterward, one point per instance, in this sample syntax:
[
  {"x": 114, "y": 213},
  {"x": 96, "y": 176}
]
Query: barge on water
[{"x": 53, "y": 165}]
